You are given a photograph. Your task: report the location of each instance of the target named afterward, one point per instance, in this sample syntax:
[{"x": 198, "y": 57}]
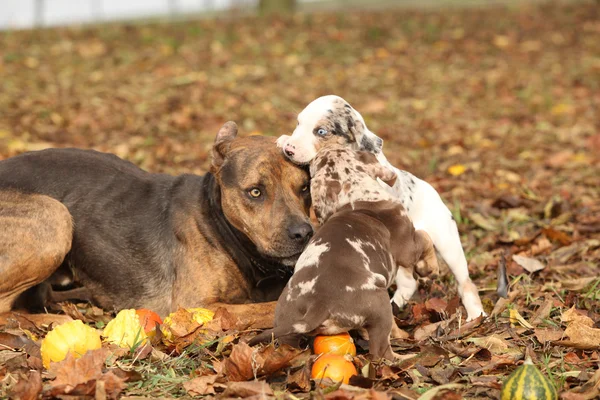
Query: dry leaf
[
  {"x": 581, "y": 337},
  {"x": 246, "y": 362},
  {"x": 548, "y": 335},
  {"x": 456, "y": 170},
  {"x": 248, "y": 389},
  {"x": 529, "y": 264},
  {"x": 299, "y": 381},
  {"x": 493, "y": 343},
  {"x": 80, "y": 376},
  {"x": 201, "y": 385},
  {"x": 72, "y": 371},
  {"x": 516, "y": 317},
  {"x": 436, "y": 304},
  {"x": 28, "y": 387},
  {"x": 485, "y": 223},
  {"x": 239, "y": 367}
]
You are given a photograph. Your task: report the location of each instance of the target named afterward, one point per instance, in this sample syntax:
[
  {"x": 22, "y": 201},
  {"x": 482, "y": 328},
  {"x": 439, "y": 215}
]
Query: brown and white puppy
[
  {"x": 340, "y": 281},
  {"x": 331, "y": 117}
]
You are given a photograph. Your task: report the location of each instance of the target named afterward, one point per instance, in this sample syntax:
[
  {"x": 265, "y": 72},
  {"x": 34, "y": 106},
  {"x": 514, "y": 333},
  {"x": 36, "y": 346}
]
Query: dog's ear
[
  {"x": 226, "y": 134},
  {"x": 370, "y": 142}
]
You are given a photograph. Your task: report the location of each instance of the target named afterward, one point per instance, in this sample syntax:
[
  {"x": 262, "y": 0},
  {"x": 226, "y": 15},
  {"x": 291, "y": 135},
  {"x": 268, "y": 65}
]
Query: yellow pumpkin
[
  {"x": 173, "y": 321},
  {"x": 125, "y": 330},
  {"x": 72, "y": 337}
]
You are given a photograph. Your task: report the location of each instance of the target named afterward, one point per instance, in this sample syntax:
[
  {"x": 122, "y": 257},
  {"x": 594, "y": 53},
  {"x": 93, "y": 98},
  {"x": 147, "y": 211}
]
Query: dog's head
[
  {"x": 329, "y": 119},
  {"x": 263, "y": 195}
]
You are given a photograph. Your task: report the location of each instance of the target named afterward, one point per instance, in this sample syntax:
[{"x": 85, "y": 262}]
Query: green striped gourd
[{"x": 528, "y": 383}]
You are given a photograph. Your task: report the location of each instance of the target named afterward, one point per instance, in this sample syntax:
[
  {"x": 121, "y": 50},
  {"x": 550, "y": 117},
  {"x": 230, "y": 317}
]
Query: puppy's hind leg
[
  {"x": 433, "y": 216},
  {"x": 379, "y": 328}
]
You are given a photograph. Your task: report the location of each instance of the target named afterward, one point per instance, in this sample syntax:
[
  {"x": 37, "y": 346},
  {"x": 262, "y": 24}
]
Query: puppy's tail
[
  {"x": 269, "y": 335},
  {"x": 317, "y": 316}
]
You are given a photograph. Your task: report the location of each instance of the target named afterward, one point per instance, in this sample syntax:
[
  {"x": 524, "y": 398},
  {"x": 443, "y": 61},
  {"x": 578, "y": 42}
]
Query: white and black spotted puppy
[
  {"x": 340, "y": 281},
  {"x": 332, "y": 117}
]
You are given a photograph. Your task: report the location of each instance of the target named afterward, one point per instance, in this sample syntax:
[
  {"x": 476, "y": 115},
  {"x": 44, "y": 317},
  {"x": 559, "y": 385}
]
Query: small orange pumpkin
[
  {"x": 335, "y": 367},
  {"x": 335, "y": 344}
]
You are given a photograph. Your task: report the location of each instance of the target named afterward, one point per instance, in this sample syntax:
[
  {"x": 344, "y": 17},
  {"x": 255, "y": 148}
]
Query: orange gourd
[
  {"x": 335, "y": 367},
  {"x": 335, "y": 344}
]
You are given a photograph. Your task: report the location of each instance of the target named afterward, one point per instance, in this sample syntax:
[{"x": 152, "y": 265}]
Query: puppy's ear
[
  {"x": 370, "y": 142},
  {"x": 226, "y": 134}
]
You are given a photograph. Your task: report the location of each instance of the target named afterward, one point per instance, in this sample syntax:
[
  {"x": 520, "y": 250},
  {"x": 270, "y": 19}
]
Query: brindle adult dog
[{"x": 137, "y": 239}]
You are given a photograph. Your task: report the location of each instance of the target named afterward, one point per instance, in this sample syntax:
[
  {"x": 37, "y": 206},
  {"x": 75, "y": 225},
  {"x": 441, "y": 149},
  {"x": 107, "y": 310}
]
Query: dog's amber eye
[{"x": 254, "y": 192}]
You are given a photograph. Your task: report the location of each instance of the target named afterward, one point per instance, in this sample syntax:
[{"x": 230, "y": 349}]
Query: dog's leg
[
  {"x": 430, "y": 214},
  {"x": 379, "y": 328},
  {"x": 253, "y": 316},
  {"x": 405, "y": 286},
  {"x": 428, "y": 264},
  {"x": 35, "y": 235}
]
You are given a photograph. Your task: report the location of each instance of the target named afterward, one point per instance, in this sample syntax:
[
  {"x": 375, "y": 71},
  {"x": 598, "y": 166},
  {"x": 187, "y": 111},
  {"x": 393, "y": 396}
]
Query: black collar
[{"x": 261, "y": 271}]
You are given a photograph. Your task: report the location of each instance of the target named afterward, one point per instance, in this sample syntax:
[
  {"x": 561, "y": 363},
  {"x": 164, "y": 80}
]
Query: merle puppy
[
  {"x": 331, "y": 117},
  {"x": 340, "y": 281}
]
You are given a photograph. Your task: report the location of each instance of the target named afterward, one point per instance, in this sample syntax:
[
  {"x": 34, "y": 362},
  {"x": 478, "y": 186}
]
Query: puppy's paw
[
  {"x": 282, "y": 140},
  {"x": 473, "y": 317}
]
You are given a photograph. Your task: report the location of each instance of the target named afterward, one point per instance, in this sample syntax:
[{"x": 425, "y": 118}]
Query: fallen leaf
[
  {"x": 485, "y": 223},
  {"x": 529, "y": 264},
  {"x": 579, "y": 331},
  {"x": 239, "y": 366},
  {"x": 15, "y": 342},
  {"x": 201, "y": 386},
  {"x": 558, "y": 236},
  {"x": 436, "y": 304},
  {"x": 73, "y": 371},
  {"x": 299, "y": 381},
  {"x": 432, "y": 393},
  {"x": 226, "y": 320},
  {"x": 516, "y": 317},
  {"x": 248, "y": 389},
  {"x": 456, "y": 170},
  {"x": 28, "y": 387},
  {"x": 246, "y": 362},
  {"x": 80, "y": 376},
  {"x": 493, "y": 343},
  {"x": 548, "y": 335}
]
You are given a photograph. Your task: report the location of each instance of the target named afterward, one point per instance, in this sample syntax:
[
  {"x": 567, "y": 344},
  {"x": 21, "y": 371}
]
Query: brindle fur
[{"x": 151, "y": 240}]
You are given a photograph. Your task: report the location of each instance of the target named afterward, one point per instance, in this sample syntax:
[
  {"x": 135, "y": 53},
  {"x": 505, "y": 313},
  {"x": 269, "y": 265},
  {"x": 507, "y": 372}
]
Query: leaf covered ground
[{"x": 497, "y": 107}]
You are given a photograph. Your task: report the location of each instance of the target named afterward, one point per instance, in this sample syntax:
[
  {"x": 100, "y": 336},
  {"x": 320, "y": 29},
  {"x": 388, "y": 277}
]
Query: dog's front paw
[{"x": 282, "y": 140}]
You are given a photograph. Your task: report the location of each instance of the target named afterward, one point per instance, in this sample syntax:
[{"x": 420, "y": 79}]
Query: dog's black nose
[
  {"x": 300, "y": 232},
  {"x": 289, "y": 152}
]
